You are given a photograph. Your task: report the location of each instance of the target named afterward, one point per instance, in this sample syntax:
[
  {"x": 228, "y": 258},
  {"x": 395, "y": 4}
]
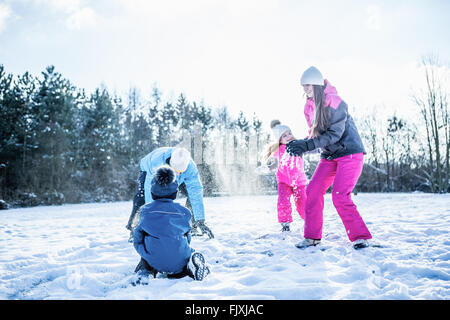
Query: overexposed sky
[{"x": 244, "y": 54}]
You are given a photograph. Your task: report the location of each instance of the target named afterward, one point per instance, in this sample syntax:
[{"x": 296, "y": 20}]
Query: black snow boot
[
  {"x": 143, "y": 269},
  {"x": 360, "y": 244},
  {"x": 285, "y": 227}
]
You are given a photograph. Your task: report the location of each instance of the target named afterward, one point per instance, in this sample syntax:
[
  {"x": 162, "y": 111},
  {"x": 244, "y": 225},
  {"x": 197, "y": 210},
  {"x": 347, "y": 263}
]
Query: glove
[
  {"x": 299, "y": 147},
  {"x": 204, "y": 228}
]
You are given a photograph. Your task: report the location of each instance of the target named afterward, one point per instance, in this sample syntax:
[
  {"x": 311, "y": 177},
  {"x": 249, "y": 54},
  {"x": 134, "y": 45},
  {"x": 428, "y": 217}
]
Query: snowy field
[{"x": 81, "y": 252}]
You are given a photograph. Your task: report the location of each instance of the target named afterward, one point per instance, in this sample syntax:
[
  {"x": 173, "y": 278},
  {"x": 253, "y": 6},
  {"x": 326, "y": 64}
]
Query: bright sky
[{"x": 245, "y": 54}]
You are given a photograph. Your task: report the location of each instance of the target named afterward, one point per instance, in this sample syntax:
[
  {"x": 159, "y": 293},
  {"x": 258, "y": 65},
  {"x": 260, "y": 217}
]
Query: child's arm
[
  {"x": 194, "y": 190},
  {"x": 139, "y": 235},
  {"x": 269, "y": 166},
  {"x": 187, "y": 221},
  {"x": 272, "y": 163},
  {"x": 188, "y": 237}
]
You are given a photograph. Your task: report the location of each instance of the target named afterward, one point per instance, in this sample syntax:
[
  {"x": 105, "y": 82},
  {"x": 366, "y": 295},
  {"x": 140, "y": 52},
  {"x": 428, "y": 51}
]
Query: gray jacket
[{"x": 341, "y": 138}]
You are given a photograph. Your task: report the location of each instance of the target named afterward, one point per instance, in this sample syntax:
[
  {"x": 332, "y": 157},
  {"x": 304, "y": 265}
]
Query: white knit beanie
[
  {"x": 312, "y": 75},
  {"x": 278, "y": 129},
  {"x": 179, "y": 159}
]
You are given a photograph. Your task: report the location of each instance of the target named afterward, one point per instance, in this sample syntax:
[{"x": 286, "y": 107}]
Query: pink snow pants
[
  {"x": 285, "y": 192},
  {"x": 343, "y": 173}
]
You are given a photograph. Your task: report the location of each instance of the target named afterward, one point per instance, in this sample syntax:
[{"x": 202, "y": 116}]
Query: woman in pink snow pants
[{"x": 333, "y": 130}]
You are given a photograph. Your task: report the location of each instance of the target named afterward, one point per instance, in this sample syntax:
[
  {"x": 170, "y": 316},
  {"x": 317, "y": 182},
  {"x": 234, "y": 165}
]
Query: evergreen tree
[
  {"x": 257, "y": 129},
  {"x": 223, "y": 119},
  {"x": 100, "y": 129},
  {"x": 256, "y": 124},
  {"x": 16, "y": 135},
  {"x": 186, "y": 113},
  {"x": 54, "y": 108},
  {"x": 136, "y": 127},
  {"x": 154, "y": 119},
  {"x": 169, "y": 119},
  {"x": 205, "y": 118},
  {"x": 242, "y": 123}
]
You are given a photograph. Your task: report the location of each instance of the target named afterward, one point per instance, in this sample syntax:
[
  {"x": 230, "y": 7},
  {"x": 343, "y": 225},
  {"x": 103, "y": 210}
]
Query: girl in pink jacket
[
  {"x": 290, "y": 175},
  {"x": 333, "y": 131}
]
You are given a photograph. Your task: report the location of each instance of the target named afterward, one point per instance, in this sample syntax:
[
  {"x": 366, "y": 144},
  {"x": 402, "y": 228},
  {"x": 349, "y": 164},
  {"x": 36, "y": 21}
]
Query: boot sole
[
  {"x": 300, "y": 246},
  {"x": 199, "y": 266}
]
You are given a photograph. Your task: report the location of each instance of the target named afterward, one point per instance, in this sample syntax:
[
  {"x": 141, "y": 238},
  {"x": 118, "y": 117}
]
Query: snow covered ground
[{"x": 81, "y": 252}]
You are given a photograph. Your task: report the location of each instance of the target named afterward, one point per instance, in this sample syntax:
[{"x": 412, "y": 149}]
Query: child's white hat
[
  {"x": 278, "y": 129},
  {"x": 312, "y": 75},
  {"x": 179, "y": 159}
]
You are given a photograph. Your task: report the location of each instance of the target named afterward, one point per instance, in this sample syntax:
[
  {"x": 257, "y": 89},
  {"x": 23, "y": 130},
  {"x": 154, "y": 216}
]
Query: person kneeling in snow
[
  {"x": 162, "y": 236},
  {"x": 188, "y": 179}
]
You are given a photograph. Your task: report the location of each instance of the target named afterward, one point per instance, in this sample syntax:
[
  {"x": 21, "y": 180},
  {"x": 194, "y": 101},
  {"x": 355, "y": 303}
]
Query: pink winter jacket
[
  {"x": 290, "y": 169},
  {"x": 331, "y": 99},
  {"x": 341, "y": 138}
]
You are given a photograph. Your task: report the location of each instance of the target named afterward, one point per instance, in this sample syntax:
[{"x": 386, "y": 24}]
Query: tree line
[
  {"x": 408, "y": 155},
  {"x": 60, "y": 144}
]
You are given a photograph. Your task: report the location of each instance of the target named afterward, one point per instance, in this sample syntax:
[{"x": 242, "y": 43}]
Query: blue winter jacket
[
  {"x": 162, "y": 236},
  {"x": 190, "y": 177}
]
